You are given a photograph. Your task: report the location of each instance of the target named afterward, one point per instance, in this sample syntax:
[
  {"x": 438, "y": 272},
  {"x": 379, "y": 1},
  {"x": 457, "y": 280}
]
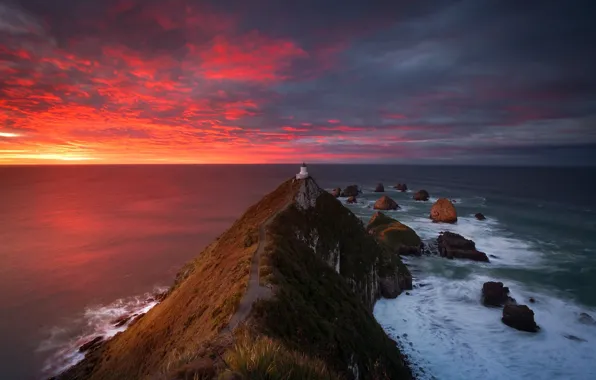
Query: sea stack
[{"x": 312, "y": 264}]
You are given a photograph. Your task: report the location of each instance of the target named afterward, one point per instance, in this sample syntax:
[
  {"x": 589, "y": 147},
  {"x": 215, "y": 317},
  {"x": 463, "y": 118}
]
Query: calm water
[{"x": 80, "y": 245}]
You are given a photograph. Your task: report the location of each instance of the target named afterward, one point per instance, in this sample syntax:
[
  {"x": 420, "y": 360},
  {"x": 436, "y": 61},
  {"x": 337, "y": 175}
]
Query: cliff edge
[{"x": 287, "y": 291}]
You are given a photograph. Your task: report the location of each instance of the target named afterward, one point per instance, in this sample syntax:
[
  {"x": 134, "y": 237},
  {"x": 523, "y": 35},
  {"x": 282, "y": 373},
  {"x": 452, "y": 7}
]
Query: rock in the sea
[
  {"x": 351, "y": 191},
  {"x": 380, "y": 188},
  {"x": 385, "y": 203},
  {"x": 392, "y": 286},
  {"x": 121, "y": 321},
  {"x": 495, "y": 294},
  {"x": 443, "y": 211},
  {"x": 454, "y": 246},
  {"x": 401, "y": 187},
  {"x": 520, "y": 317},
  {"x": 421, "y": 195},
  {"x": 532, "y": 300},
  {"x": 480, "y": 216},
  {"x": 586, "y": 319},
  {"x": 397, "y": 237},
  {"x": 575, "y": 338},
  {"x": 352, "y": 199},
  {"x": 92, "y": 344}
]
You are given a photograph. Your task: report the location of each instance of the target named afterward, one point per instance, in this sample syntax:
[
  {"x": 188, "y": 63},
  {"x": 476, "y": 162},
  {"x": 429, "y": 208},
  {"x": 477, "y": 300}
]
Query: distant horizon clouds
[{"x": 264, "y": 81}]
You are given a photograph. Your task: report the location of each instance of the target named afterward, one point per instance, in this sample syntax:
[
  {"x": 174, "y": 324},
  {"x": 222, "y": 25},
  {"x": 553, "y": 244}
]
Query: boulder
[
  {"x": 352, "y": 199},
  {"x": 480, "y": 216},
  {"x": 520, "y": 317},
  {"x": 401, "y": 187},
  {"x": 122, "y": 320},
  {"x": 586, "y": 319},
  {"x": 532, "y": 300},
  {"x": 336, "y": 192},
  {"x": 443, "y": 211},
  {"x": 421, "y": 195},
  {"x": 395, "y": 236},
  {"x": 380, "y": 188},
  {"x": 92, "y": 344},
  {"x": 389, "y": 287},
  {"x": 495, "y": 294},
  {"x": 351, "y": 191},
  {"x": 454, "y": 246},
  {"x": 385, "y": 203},
  {"x": 392, "y": 286}
]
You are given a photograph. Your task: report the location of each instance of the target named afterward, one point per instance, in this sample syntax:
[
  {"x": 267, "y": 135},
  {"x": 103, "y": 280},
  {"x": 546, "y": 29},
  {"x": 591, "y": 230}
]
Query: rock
[
  {"x": 493, "y": 256},
  {"x": 480, "y": 216},
  {"x": 160, "y": 296},
  {"x": 454, "y": 246},
  {"x": 407, "y": 293},
  {"x": 92, "y": 344},
  {"x": 532, "y": 300},
  {"x": 401, "y": 187},
  {"x": 443, "y": 211},
  {"x": 351, "y": 191},
  {"x": 380, "y": 188},
  {"x": 421, "y": 195},
  {"x": 385, "y": 203},
  {"x": 575, "y": 338},
  {"x": 495, "y": 294},
  {"x": 352, "y": 199},
  {"x": 586, "y": 319},
  {"x": 395, "y": 236},
  {"x": 121, "y": 321},
  {"x": 519, "y": 317},
  {"x": 453, "y": 201},
  {"x": 389, "y": 287},
  {"x": 336, "y": 192}
]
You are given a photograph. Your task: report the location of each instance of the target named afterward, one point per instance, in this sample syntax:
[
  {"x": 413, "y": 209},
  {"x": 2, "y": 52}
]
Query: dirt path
[{"x": 254, "y": 290}]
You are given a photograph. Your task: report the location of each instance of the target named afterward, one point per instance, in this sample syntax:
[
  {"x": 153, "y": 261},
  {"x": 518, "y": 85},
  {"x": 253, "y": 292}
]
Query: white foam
[
  {"x": 445, "y": 330},
  {"x": 64, "y": 341}
]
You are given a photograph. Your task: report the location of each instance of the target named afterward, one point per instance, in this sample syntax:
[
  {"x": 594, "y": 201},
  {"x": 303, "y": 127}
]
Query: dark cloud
[{"x": 469, "y": 80}]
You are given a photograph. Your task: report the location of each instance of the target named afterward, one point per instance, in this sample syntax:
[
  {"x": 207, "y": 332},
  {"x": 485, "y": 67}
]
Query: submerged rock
[
  {"x": 401, "y": 187},
  {"x": 397, "y": 237},
  {"x": 380, "y": 188},
  {"x": 454, "y": 246},
  {"x": 586, "y": 319},
  {"x": 443, "y": 211},
  {"x": 520, "y": 317},
  {"x": 92, "y": 344},
  {"x": 480, "y": 216},
  {"x": 352, "y": 199},
  {"x": 351, "y": 191},
  {"x": 121, "y": 321},
  {"x": 421, "y": 195},
  {"x": 495, "y": 294},
  {"x": 574, "y": 338},
  {"x": 336, "y": 192},
  {"x": 386, "y": 203}
]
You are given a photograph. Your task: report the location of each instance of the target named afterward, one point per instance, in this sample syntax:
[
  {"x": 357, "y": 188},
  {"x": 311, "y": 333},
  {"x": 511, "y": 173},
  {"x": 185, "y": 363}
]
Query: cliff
[{"x": 287, "y": 290}]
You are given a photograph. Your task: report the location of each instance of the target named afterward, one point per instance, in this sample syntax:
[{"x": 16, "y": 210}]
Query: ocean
[{"x": 81, "y": 245}]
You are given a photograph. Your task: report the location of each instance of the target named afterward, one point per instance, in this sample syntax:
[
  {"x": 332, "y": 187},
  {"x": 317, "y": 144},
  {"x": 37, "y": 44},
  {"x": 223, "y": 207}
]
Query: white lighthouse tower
[{"x": 303, "y": 172}]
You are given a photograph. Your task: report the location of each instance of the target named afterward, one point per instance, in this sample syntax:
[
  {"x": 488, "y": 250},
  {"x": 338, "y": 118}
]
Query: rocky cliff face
[{"x": 321, "y": 271}]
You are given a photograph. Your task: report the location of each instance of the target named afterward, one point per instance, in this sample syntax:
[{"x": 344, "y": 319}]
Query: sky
[{"x": 271, "y": 81}]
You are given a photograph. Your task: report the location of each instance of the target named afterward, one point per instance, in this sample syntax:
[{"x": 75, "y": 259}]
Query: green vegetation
[
  {"x": 315, "y": 309},
  {"x": 266, "y": 359},
  {"x": 393, "y": 234}
]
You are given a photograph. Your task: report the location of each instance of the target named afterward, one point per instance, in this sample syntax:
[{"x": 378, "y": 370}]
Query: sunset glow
[{"x": 183, "y": 81}]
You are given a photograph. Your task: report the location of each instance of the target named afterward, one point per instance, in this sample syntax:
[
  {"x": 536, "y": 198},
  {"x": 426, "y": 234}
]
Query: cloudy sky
[{"x": 193, "y": 81}]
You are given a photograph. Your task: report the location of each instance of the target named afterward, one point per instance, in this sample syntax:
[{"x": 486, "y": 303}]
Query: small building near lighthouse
[{"x": 303, "y": 172}]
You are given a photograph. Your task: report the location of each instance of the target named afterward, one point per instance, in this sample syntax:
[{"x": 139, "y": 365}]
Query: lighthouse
[{"x": 303, "y": 172}]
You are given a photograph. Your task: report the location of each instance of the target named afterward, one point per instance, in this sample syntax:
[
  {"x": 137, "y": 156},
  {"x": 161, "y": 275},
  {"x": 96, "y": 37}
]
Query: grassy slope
[
  {"x": 315, "y": 310},
  {"x": 197, "y": 308},
  {"x": 393, "y": 233}
]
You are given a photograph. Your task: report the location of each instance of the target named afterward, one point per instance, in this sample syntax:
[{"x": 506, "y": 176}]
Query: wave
[{"x": 105, "y": 321}]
